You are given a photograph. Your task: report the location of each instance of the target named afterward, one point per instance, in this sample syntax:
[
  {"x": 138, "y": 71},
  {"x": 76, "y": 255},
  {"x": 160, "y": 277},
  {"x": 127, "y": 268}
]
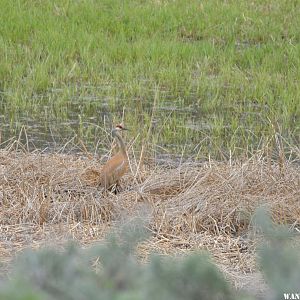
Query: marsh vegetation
[
  {"x": 210, "y": 91},
  {"x": 207, "y": 206},
  {"x": 206, "y": 77}
]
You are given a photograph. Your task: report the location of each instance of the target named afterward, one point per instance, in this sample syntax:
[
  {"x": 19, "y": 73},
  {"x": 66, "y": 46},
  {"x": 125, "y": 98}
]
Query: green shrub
[
  {"x": 50, "y": 274},
  {"x": 279, "y": 257},
  {"x": 112, "y": 271}
]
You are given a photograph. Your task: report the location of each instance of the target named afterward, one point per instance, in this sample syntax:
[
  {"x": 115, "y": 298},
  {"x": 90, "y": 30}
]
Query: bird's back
[{"x": 113, "y": 170}]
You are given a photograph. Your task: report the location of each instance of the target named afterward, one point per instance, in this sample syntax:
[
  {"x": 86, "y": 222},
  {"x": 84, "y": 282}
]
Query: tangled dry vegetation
[{"x": 208, "y": 206}]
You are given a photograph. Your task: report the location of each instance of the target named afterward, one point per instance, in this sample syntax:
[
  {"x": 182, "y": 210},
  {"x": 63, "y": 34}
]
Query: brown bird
[{"x": 117, "y": 166}]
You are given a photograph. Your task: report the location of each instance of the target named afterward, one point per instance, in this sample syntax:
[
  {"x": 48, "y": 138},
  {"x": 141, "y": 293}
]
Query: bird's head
[{"x": 120, "y": 127}]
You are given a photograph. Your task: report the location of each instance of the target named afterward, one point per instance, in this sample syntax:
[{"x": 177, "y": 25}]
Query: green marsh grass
[{"x": 229, "y": 68}]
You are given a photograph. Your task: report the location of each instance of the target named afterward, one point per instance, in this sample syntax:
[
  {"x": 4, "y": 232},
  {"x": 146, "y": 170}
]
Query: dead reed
[{"x": 206, "y": 206}]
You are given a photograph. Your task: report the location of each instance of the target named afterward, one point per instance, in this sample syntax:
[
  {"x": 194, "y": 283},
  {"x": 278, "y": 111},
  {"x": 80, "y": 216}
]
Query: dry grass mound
[
  {"x": 192, "y": 206},
  {"x": 221, "y": 198},
  {"x": 38, "y": 188}
]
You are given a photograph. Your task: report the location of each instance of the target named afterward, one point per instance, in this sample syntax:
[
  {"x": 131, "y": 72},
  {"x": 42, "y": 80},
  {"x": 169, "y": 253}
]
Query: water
[{"x": 179, "y": 125}]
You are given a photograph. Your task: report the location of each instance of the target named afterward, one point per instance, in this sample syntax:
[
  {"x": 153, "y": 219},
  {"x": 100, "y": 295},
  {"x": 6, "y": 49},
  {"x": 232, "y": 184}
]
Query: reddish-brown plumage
[
  {"x": 117, "y": 166},
  {"x": 113, "y": 170}
]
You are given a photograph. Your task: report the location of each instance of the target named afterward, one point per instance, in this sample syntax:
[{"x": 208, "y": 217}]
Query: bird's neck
[{"x": 121, "y": 144}]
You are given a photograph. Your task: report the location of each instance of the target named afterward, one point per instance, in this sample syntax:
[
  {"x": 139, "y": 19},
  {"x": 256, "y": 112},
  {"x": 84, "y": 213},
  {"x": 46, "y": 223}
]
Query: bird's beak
[{"x": 125, "y": 129}]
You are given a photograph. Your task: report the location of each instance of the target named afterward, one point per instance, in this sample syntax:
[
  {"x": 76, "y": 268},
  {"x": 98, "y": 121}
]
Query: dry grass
[{"x": 208, "y": 206}]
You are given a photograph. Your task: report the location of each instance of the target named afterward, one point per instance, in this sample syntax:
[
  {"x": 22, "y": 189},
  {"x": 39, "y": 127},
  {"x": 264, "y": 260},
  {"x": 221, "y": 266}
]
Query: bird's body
[{"x": 117, "y": 166}]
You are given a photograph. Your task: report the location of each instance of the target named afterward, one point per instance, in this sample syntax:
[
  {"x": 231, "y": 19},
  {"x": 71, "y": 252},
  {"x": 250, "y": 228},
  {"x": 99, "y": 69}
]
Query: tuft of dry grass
[
  {"x": 223, "y": 197},
  {"x": 204, "y": 206}
]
